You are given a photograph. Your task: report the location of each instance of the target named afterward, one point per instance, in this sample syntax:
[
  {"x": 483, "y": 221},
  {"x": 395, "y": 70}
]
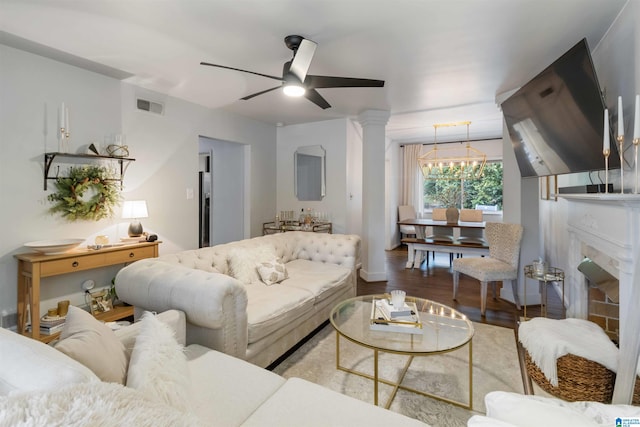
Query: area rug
[{"x": 495, "y": 367}]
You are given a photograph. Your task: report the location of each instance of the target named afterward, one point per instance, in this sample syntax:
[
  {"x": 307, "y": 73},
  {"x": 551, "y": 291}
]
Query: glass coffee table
[{"x": 442, "y": 330}]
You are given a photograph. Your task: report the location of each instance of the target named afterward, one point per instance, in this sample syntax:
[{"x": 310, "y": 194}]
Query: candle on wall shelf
[
  {"x": 606, "y": 150},
  {"x": 636, "y": 138},
  {"x": 620, "y": 139}
]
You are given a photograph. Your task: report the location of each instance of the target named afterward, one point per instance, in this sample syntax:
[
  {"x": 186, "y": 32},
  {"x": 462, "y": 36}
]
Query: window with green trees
[{"x": 466, "y": 194}]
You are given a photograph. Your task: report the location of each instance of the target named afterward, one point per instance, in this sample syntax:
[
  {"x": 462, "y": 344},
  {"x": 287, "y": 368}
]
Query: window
[{"x": 484, "y": 193}]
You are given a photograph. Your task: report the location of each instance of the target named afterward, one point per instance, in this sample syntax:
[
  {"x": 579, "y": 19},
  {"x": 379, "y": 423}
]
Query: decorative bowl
[{"x": 52, "y": 247}]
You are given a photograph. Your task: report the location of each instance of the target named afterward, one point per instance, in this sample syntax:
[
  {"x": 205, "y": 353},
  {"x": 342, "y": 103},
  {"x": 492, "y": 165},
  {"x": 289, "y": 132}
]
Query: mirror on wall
[{"x": 309, "y": 172}]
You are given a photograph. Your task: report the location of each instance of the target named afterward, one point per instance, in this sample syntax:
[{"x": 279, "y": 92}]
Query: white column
[{"x": 373, "y": 124}]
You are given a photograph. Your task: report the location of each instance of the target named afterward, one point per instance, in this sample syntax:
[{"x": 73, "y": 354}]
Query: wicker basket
[
  {"x": 636, "y": 393},
  {"x": 578, "y": 379}
]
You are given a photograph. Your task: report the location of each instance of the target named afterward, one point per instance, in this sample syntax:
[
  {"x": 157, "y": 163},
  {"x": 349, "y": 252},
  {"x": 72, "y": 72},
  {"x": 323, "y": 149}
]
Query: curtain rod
[{"x": 451, "y": 142}]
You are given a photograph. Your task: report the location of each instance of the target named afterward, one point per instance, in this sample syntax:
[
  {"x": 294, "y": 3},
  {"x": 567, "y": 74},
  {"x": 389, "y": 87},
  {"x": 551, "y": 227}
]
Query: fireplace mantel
[{"x": 610, "y": 224}]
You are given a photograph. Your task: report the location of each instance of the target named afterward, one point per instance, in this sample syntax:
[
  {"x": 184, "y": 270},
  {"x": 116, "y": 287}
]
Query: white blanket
[
  {"x": 88, "y": 404},
  {"x": 546, "y": 340}
]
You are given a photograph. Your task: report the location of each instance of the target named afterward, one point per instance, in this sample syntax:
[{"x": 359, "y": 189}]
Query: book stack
[
  {"x": 51, "y": 325},
  {"x": 385, "y": 318}
]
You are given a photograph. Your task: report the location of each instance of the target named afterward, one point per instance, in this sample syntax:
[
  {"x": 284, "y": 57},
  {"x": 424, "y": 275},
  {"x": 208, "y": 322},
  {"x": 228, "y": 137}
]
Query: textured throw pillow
[
  {"x": 87, "y": 340},
  {"x": 158, "y": 365},
  {"x": 273, "y": 271},
  {"x": 243, "y": 262}
]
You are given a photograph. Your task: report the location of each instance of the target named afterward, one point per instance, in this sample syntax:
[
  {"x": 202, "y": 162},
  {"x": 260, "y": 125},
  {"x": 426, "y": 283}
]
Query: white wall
[
  {"x": 334, "y": 137},
  {"x": 354, "y": 178},
  {"x": 165, "y": 148}
]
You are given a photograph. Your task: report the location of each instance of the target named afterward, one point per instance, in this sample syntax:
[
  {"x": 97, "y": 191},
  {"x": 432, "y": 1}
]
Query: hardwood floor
[{"x": 436, "y": 283}]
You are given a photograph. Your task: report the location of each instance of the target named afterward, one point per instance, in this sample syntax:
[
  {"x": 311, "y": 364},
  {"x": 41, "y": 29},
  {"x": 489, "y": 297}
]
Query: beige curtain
[{"x": 412, "y": 177}]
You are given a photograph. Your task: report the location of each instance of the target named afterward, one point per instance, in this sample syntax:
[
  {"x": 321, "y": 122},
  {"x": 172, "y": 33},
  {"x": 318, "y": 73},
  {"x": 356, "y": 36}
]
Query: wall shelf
[{"x": 49, "y": 158}]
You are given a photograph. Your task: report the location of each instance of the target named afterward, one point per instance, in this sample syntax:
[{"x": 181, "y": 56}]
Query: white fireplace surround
[{"x": 606, "y": 227}]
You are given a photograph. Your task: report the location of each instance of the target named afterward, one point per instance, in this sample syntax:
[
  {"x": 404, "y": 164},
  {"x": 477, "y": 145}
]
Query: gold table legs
[{"x": 398, "y": 384}]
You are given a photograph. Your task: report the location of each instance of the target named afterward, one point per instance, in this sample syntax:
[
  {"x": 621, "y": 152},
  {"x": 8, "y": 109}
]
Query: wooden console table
[{"x": 32, "y": 267}]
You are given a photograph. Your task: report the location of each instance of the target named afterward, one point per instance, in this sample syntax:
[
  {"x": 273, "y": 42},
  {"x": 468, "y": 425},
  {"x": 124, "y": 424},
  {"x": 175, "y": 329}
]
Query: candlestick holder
[
  {"x": 606, "y": 153},
  {"x": 636, "y": 141},
  {"x": 620, "y": 140},
  {"x": 63, "y": 141}
]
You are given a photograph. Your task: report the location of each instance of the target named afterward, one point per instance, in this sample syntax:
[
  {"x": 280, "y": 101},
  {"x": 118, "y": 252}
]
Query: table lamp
[{"x": 135, "y": 209}]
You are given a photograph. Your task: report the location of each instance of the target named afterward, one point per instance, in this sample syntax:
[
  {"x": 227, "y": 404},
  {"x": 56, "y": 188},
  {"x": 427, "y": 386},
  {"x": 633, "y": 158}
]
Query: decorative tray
[{"x": 382, "y": 320}]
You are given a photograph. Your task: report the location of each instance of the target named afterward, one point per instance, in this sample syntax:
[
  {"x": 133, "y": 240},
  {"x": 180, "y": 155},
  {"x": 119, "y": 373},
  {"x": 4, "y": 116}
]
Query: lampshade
[{"x": 135, "y": 209}]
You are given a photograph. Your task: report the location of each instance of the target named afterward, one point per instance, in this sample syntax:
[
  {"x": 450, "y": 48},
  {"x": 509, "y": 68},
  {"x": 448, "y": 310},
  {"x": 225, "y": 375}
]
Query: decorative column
[{"x": 373, "y": 124}]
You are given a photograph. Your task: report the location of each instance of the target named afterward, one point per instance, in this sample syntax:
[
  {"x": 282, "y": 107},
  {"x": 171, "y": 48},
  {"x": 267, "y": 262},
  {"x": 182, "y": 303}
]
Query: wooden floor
[{"x": 436, "y": 283}]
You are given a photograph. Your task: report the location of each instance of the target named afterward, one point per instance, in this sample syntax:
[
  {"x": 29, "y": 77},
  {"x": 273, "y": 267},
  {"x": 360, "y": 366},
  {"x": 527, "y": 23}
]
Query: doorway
[{"x": 225, "y": 181}]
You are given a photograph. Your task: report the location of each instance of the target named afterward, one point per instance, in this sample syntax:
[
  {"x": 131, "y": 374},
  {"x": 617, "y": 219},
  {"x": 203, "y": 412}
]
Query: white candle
[
  {"x": 66, "y": 120},
  {"x": 61, "y": 116},
  {"x": 620, "y": 118},
  {"x": 636, "y": 121},
  {"x": 606, "y": 144}
]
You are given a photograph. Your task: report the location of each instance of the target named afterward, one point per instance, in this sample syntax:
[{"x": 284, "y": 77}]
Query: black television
[{"x": 556, "y": 120}]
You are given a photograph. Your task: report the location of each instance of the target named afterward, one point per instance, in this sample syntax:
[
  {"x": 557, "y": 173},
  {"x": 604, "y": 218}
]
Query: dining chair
[
  {"x": 501, "y": 264},
  {"x": 440, "y": 233},
  {"x": 471, "y": 235},
  {"x": 406, "y": 212}
]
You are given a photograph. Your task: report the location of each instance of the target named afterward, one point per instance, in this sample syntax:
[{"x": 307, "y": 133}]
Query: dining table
[{"x": 422, "y": 243}]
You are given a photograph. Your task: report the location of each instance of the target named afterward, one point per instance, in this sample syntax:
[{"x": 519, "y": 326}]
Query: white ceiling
[{"x": 442, "y": 60}]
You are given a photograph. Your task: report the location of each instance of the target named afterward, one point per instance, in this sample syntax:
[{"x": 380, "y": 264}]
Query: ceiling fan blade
[
  {"x": 244, "y": 71},
  {"x": 260, "y": 93},
  {"x": 302, "y": 59},
  {"x": 320, "y": 82},
  {"x": 313, "y": 96}
]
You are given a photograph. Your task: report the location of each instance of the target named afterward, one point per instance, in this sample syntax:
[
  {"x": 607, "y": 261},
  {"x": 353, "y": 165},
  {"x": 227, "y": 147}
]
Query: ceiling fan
[{"x": 296, "y": 81}]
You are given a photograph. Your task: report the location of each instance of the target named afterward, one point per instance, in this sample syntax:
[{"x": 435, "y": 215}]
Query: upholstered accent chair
[
  {"x": 501, "y": 264},
  {"x": 406, "y": 212}
]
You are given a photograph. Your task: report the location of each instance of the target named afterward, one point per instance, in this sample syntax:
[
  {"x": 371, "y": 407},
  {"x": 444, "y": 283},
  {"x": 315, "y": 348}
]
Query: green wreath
[{"x": 68, "y": 199}]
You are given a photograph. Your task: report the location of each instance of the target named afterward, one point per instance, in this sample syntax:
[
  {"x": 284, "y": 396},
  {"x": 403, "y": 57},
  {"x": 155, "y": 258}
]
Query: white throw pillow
[
  {"x": 158, "y": 365},
  {"x": 273, "y": 271},
  {"x": 87, "y": 340},
  {"x": 243, "y": 262},
  {"x": 534, "y": 411},
  {"x": 27, "y": 364}
]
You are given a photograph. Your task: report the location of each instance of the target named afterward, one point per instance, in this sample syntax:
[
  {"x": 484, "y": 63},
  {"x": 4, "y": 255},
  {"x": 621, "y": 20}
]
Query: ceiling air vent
[{"x": 150, "y": 106}]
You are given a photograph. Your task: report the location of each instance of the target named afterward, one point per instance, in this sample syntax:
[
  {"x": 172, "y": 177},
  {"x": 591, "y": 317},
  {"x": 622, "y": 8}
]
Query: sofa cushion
[
  {"x": 87, "y": 340},
  {"x": 226, "y": 390},
  {"x": 318, "y": 278},
  {"x": 272, "y": 272},
  {"x": 244, "y": 261},
  {"x": 27, "y": 364},
  {"x": 158, "y": 366},
  {"x": 271, "y": 307},
  {"x": 301, "y": 402}
]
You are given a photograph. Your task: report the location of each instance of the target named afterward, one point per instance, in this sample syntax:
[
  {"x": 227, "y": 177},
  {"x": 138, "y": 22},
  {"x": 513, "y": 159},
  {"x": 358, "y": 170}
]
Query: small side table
[{"x": 550, "y": 275}]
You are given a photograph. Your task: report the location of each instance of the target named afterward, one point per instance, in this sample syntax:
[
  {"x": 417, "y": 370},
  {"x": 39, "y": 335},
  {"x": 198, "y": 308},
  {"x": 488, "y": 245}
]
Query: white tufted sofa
[{"x": 255, "y": 322}]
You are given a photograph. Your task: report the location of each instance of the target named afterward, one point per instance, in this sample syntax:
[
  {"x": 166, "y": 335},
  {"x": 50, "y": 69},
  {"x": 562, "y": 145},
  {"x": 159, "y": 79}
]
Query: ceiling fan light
[{"x": 293, "y": 89}]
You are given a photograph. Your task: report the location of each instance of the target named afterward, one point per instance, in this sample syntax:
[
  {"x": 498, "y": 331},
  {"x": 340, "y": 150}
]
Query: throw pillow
[
  {"x": 158, "y": 365},
  {"x": 273, "y": 271},
  {"x": 27, "y": 364},
  {"x": 243, "y": 262},
  {"x": 87, "y": 340}
]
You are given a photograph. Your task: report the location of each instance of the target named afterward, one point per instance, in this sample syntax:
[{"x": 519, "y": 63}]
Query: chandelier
[{"x": 452, "y": 162}]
